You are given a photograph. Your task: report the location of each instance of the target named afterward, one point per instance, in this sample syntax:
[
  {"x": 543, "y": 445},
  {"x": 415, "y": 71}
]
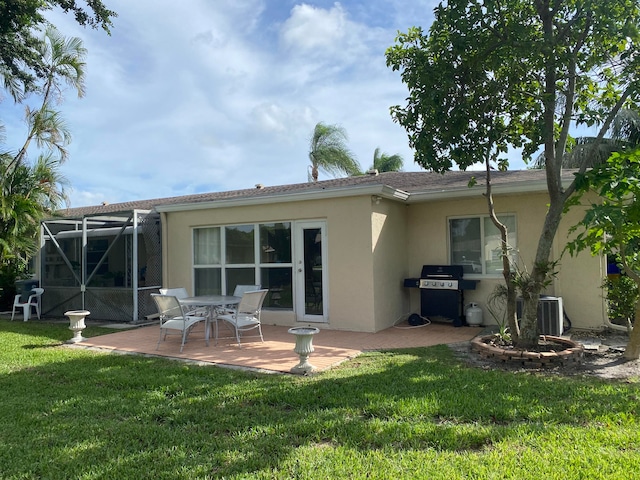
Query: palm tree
[
  {"x": 625, "y": 134},
  {"x": 386, "y": 163},
  {"x": 27, "y": 194},
  {"x": 328, "y": 152},
  {"x": 31, "y": 191},
  {"x": 63, "y": 60}
]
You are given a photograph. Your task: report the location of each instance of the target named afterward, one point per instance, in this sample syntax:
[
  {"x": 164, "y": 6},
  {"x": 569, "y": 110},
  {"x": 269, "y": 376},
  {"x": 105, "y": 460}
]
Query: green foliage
[
  {"x": 496, "y": 305},
  {"x": 493, "y": 76},
  {"x": 27, "y": 194},
  {"x": 490, "y": 75},
  {"x": 11, "y": 271},
  {"x": 29, "y": 191},
  {"x": 456, "y": 110},
  {"x": 386, "y": 163},
  {"x": 21, "y": 24},
  {"x": 328, "y": 152},
  {"x": 581, "y": 152},
  {"x": 622, "y": 297},
  {"x": 416, "y": 413},
  {"x": 612, "y": 224}
]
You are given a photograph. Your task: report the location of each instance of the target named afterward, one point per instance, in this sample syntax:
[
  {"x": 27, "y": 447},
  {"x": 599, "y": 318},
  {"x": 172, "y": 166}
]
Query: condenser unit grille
[{"x": 550, "y": 315}]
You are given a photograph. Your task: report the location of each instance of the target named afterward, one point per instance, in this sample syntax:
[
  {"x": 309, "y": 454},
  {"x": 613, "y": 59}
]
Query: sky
[{"x": 206, "y": 96}]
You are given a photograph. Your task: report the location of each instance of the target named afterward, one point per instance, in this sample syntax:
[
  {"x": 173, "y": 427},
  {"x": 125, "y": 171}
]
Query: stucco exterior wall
[
  {"x": 389, "y": 240},
  {"x": 349, "y": 245},
  {"x": 373, "y": 245},
  {"x": 579, "y": 279}
]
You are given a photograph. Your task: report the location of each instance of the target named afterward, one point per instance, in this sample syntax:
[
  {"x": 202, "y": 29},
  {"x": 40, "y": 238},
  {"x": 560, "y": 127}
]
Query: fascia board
[
  {"x": 380, "y": 190},
  {"x": 478, "y": 190},
  {"x": 383, "y": 191}
]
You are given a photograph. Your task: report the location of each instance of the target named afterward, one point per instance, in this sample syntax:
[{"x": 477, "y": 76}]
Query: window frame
[
  {"x": 257, "y": 265},
  {"x": 483, "y": 241}
]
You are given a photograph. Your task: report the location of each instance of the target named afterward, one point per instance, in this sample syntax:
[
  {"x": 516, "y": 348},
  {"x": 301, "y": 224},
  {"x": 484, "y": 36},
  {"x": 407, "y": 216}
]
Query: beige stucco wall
[
  {"x": 578, "y": 281},
  {"x": 349, "y": 246},
  {"x": 389, "y": 240},
  {"x": 372, "y": 246}
]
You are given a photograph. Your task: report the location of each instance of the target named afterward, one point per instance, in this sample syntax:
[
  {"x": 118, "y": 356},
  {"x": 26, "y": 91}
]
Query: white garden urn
[
  {"x": 304, "y": 348},
  {"x": 76, "y": 324}
]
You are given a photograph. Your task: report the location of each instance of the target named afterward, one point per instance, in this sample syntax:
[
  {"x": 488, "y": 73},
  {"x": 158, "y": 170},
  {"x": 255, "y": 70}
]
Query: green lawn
[{"x": 76, "y": 414}]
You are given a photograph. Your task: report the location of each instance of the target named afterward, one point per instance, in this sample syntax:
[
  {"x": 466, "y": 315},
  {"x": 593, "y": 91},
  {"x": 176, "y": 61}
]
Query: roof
[{"x": 404, "y": 186}]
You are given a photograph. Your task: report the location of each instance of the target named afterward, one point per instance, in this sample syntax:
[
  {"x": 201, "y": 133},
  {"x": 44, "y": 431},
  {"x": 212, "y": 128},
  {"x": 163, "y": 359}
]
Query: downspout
[
  {"x": 165, "y": 246},
  {"x": 83, "y": 269},
  {"x": 39, "y": 263},
  {"x": 134, "y": 267},
  {"x": 613, "y": 326}
]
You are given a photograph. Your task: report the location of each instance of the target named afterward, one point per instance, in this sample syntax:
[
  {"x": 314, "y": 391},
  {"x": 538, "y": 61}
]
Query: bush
[
  {"x": 622, "y": 296},
  {"x": 9, "y": 273}
]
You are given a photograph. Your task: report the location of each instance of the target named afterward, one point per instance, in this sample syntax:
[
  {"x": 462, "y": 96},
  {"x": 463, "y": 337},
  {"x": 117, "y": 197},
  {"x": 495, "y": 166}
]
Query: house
[{"x": 336, "y": 253}]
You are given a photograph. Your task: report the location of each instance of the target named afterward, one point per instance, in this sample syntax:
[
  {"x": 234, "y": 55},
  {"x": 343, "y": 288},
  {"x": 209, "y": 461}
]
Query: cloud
[
  {"x": 310, "y": 29},
  {"x": 223, "y": 95}
]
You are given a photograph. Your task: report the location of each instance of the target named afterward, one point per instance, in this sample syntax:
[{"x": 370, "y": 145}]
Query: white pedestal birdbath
[
  {"x": 76, "y": 324},
  {"x": 304, "y": 348}
]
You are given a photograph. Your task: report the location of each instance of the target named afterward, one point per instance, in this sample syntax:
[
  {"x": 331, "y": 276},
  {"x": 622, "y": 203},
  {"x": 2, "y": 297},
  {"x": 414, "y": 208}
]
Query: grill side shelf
[{"x": 467, "y": 284}]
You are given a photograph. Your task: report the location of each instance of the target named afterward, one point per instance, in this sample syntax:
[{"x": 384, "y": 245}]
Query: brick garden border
[{"x": 571, "y": 355}]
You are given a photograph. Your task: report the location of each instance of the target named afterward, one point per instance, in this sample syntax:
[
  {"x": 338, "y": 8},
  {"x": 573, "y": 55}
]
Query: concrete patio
[{"x": 276, "y": 354}]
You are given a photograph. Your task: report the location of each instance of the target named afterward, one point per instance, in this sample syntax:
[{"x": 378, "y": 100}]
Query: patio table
[{"x": 210, "y": 302}]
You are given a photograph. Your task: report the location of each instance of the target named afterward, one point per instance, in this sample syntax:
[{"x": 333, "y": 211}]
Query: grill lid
[{"x": 454, "y": 272}]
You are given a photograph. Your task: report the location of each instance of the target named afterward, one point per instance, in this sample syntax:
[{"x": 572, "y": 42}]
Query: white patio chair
[
  {"x": 174, "y": 316},
  {"x": 246, "y": 316},
  {"x": 241, "y": 289},
  {"x": 32, "y": 302},
  {"x": 237, "y": 292},
  {"x": 181, "y": 293}
]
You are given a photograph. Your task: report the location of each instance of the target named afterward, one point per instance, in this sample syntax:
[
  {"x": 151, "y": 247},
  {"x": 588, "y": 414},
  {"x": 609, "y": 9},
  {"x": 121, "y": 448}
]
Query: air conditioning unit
[{"x": 550, "y": 315}]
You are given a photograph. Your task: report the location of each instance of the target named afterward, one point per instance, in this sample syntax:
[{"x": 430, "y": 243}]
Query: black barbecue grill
[{"x": 442, "y": 292}]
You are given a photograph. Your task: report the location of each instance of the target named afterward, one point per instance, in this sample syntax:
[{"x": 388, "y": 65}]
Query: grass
[{"x": 418, "y": 413}]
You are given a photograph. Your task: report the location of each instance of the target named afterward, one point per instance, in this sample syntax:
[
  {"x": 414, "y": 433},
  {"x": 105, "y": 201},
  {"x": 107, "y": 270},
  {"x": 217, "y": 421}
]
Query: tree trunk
[
  {"x": 529, "y": 334},
  {"x": 507, "y": 273},
  {"x": 632, "y": 350},
  {"x": 512, "y": 316},
  {"x": 540, "y": 274}
]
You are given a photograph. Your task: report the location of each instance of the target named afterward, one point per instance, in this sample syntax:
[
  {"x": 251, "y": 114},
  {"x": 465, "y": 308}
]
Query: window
[
  {"x": 207, "y": 261},
  {"x": 252, "y": 254},
  {"x": 240, "y": 268},
  {"x": 475, "y": 243}
]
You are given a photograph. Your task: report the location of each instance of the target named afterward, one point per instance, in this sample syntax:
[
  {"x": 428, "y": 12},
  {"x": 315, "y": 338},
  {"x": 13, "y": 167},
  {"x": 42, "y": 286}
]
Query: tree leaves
[
  {"x": 328, "y": 151},
  {"x": 21, "y": 24}
]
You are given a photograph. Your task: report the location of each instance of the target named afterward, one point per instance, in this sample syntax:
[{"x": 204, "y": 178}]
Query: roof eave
[
  {"x": 539, "y": 186},
  {"x": 381, "y": 190}
]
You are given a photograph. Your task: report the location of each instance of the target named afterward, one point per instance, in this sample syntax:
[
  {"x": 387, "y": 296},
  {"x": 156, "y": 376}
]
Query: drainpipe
[
  {"x": 606, "y": 322},
  {"x": 621, "y": 328},
  {"x": 134, "y": 267},
  {"x": 83, "y": 268}
]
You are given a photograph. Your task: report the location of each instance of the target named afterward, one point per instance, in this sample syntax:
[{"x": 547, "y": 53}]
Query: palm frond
[
  {"x": 328, "y": 151},
  {"x": 625, "y": 134},
  {"x": 387, "y": 163}
]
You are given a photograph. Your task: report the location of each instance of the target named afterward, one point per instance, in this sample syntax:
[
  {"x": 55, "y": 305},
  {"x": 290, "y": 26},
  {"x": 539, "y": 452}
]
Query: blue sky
[{"x": 200, "y": 96}]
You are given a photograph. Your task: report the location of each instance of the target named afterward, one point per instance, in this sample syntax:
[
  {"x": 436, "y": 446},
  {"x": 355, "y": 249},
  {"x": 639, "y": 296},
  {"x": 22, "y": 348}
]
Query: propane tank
[{"x": 473, "y": 314}]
